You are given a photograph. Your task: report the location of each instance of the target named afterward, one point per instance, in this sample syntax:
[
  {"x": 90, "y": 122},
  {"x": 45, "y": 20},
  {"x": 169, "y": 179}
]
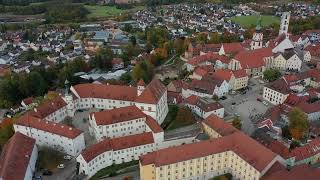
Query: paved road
[{"x": 243, "y": 102}]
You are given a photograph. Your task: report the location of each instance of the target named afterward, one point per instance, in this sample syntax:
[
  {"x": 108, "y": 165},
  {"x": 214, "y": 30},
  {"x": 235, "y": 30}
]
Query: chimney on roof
[{"x": 140, "y": 87}]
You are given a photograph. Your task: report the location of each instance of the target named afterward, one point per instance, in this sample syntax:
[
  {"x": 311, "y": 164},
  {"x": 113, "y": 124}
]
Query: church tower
[
  {"x": 284, "y": 26},
  {"x": 257, "y": 39}
]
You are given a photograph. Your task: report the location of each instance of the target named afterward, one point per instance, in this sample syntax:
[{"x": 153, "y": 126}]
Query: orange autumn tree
[{"x": 298, "y": 123}]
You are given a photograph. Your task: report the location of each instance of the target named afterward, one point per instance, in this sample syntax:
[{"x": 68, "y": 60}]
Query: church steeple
[{"x": 257, "y": 39}]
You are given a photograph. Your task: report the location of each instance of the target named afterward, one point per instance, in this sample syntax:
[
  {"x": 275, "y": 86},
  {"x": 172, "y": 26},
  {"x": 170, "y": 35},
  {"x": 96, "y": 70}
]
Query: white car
[
  {"x": 60, "y": 166},
  {"x": 67, "y": 157}
]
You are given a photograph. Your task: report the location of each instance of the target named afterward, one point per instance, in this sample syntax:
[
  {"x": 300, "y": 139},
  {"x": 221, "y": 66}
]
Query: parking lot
[{"x": 245, "y": 105}]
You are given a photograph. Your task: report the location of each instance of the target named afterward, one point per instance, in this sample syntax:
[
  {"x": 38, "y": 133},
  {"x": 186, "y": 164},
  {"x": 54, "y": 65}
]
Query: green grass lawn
[
  {"x": 247, "y": 21},
  {"x": 97, "y": 11}
]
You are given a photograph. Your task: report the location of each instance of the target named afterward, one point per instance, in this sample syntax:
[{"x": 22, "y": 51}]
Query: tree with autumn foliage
[{"x": 298, "y": 123}]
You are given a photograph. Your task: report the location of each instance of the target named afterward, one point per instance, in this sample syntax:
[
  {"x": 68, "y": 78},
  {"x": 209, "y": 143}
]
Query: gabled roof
[
  {"x": 152, "y": 93},
  {"x": 306, "y": 151},
  {"x": 29, "y": 120},
  {"x": 245, "y": 147},
  {"x": 43, "y": 110},
  {"x": 253, "y": 58},
  {"x": 15, "y": 157},
  {"x": 116, "y": 144},
  {"x": 296, "y": 173},
  {"x": 219, "y": 125},
  {"x": 117, "y": 115},
  {"x": 223, "y": 74},
  {"x": 103, "y": 91},
  {"x": 232, "y": 48}
]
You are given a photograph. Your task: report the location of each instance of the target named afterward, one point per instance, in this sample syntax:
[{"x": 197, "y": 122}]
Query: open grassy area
[
  {"x": 247, "y": 21},
  {"x": 97, "y": 11}
]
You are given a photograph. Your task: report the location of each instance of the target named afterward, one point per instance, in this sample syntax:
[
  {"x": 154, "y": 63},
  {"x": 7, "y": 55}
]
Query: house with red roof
[
  {"x": 241, "y": 155},
  {"x": 60, "y": 137},
  {"x": 122, "y": 121},
  {"x": 314, "y": 51},
  {"x": 230, "y": 48},
  {"x": 204, "y": 107},
  {"x": 18, "y": 158},
  {"x": 254, "y": 62},
  {"x": 206, "y": 87},
  {"x": 114, "y": 151},
  {"x": 151, "y": 98},
  {"x": 306, "y": 154},
  {"x": 237, "y": 79},
  {"x": 27, "y": 103},
  {"x": 210, "y": 58},
  {"x": 296, "y": 173}
]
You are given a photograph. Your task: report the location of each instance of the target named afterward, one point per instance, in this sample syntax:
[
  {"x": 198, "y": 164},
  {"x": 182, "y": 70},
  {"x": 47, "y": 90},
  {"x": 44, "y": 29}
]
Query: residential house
[{"x": 204, "y": 107}]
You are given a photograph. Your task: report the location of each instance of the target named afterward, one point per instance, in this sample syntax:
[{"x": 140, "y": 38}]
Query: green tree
[
  {"x": 298, "y": 123},
  {"x": 143, "y": 70},
  {"x": 103, "y": 59},
  {"x": 237, "y": 123},
  {"x": 271, "y": 74}
]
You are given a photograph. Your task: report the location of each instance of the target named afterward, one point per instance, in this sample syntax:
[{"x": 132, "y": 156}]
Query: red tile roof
[
  {"x": 153, "y": 125},
  {"x": 232, "y": 48},
  {"x": 245, "y": 147},
  {"x": 253, "y": 58},
  {"x": 43, "y": 110},
  {"x": 152, "y": 93},
  {"x": 192, "y": 100},
  {"x": 219, "y": 125},
  {"x": 240, "y": 73},
  {"x": 223, "y": 74},
  {"x": 29, "y": 120},
  {"x": 279, "y": 148},
  {"x": 116, "y": 92},
  {"x": 306, "y": 151},
  {"x": 199, "y": 71},
  {"x": 15, "y": 157},
  {"x": 314, "y": 50},
  {"x": 299, "y": 172},
  {"x": 116, "y": 144},
  {"x": 28, "y": 100},
  {"x": 117, "y": 115},
  {"x": 210, "y": 57}
]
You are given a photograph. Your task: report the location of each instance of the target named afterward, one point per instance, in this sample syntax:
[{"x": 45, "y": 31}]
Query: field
[
  {"x": 247, "y": 21},
  {"x": 107, "y": 11}
]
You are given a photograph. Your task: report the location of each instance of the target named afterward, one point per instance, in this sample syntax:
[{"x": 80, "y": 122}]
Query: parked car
[
  {"x": 258, "y": 99},
  {"x": 67, "y": 157},
  {"x": 233, "y": 103},
  {"x": 46, "y": 172},
  {"x": 60, "y": 166},
  {"x": 223, "y": 98}
]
